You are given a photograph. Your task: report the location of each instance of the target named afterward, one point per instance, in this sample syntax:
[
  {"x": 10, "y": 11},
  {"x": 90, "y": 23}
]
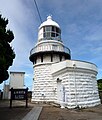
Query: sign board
[{"x": 19, "y": 94}]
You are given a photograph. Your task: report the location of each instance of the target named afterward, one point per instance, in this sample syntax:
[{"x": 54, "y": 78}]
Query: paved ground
[
  {"x": 33, "y": 114},
  {"x": 54, "y": 113},
  {"x": 17, "y": 112},
  {"x": 49, "y": 112}
]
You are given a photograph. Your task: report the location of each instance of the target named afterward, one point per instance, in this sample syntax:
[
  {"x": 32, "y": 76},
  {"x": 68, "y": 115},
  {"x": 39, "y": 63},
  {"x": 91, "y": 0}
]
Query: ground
[
  {"x": 17, "y": 112},
  {"x": 49, "y": 112},
  {"x": 54, "y": 113}
]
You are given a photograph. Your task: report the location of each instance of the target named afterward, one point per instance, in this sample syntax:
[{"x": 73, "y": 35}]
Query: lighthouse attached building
[{"x": 57, "y": 78}]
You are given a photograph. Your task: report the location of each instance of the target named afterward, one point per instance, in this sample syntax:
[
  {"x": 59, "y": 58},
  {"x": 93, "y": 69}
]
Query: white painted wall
[
  {"x": 17, "y": 79},
  {"x": 56, "y": 58},
  {"x": 38, "y": 59},
  {"x": 47, "y": 58},
  {"x": 49, "y": 45},
  {"x": 6, "y": 91}
]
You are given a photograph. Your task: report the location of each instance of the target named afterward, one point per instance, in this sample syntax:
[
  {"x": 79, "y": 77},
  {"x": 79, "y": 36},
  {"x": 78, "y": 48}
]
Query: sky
[{"x": 80, "y": 22}]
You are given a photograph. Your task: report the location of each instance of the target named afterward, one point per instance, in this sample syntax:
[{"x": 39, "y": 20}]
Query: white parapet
[
  {"x": 73, "y": 64},
  {"x": 50, "y": 45},
  {"x": 79, "y": 81}
]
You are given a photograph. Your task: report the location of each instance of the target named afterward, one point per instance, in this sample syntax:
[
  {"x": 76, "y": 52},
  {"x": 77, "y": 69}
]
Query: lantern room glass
[{"x": 51, "y": 32}]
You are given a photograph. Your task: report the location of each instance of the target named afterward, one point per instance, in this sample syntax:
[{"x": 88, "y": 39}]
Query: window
[
  {"x": 35, "y": 60},
  {"x": 44, "y": 35},
  {"x": 48, "y": 34},
  {"x": 53, "y": 28},
  {"x": 51, "y": 32},
  {"x": 41, "y": 58},
  {"x": 44, "y": 29},
  {"x": 57, "y": 34},
  {"x": 51, "y": 57},
  {"x": 48, "y": 28},
  {"x": 57, "y": 30},
  {"x": 60, "y": 58}
]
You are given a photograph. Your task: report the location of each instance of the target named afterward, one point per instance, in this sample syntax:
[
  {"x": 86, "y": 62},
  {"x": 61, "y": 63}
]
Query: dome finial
[
  {"x": 50, "y": 22},
  {"x": 49, "y": 17}
]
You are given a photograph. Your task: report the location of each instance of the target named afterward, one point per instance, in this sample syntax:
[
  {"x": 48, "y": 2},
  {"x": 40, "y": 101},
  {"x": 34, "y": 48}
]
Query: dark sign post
[{"x": 19, "y": 94}]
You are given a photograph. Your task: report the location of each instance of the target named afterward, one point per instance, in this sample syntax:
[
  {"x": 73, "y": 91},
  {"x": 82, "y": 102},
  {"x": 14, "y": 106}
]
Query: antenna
[{"x": 37, "y": 10}]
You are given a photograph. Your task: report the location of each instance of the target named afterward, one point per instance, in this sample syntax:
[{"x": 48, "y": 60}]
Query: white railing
[{"x": 50, "y": 48}]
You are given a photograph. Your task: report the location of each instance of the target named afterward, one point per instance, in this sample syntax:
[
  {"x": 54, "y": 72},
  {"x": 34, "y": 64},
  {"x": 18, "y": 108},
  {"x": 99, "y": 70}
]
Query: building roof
[
  {"x": 17, "y": 72},
  {"x": 48, "y": 22}
]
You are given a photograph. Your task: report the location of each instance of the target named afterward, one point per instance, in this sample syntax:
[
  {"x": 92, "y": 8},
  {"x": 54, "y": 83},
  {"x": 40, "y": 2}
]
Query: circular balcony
[{"x": 51, "y": 49}]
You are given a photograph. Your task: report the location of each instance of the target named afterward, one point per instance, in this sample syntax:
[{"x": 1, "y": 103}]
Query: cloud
[
  {"x": 80, "y": 23},
  {"x": 29, "y": 75},
  {"x": 23, "y": 23}
]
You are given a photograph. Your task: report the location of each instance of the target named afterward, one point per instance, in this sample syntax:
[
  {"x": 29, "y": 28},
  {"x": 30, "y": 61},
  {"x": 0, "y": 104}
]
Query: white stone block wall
[
  {"x": 80, "y": 83},
  {"x": 80, "y": 86},
  {"x": 43, "y": 89}
]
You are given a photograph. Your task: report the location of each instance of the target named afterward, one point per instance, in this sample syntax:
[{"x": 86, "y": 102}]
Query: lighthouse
[
  {"x": 57, "y": 78},
  {"x": 48, "y": 50}
]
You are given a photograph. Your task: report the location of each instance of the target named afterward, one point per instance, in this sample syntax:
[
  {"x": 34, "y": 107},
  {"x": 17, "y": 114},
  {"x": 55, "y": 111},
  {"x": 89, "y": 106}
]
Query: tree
[
  {"x": 6, "y": 52},
  {"x": 99, "y": 84}
]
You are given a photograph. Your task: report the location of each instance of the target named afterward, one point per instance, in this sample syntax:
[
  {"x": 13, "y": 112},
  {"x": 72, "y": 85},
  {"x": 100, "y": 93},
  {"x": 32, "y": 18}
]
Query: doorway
[{"x": 60, "y": 91}]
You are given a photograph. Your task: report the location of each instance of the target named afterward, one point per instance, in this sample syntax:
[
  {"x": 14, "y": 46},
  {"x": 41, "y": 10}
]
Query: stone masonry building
[{"x": 57, "y": 78}]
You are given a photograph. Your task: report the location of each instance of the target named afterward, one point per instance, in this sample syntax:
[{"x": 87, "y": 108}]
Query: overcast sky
[{"x": 80, "y": 22}]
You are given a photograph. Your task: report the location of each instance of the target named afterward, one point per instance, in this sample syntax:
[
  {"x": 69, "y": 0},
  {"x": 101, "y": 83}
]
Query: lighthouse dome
[
  {"x": 48, "y": 22},
  {"x": 49, "y": 30}
]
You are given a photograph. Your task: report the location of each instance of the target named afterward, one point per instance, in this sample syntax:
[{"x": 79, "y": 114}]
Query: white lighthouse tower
[
  {"x": 49, "y": 49},
  {"x": 57, "y": 78}
]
